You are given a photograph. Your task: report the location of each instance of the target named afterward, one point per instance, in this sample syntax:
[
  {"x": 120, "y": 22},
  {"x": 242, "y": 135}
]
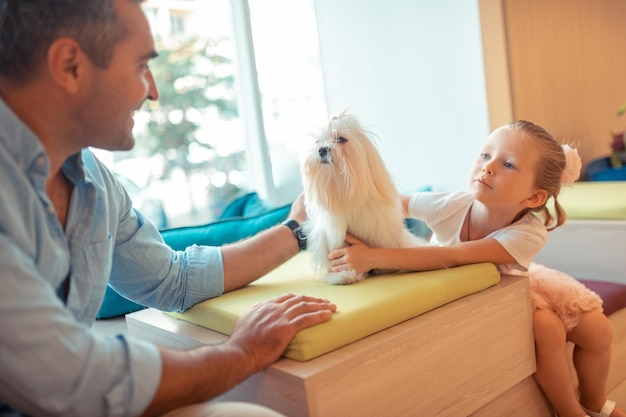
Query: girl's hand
[{"x": 354, "y": 256}]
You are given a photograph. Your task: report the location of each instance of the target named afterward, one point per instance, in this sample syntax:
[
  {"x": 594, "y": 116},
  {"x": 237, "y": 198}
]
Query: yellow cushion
[
  {"x": 364, "y": 308},
  {"x": 594, "y": 200}
]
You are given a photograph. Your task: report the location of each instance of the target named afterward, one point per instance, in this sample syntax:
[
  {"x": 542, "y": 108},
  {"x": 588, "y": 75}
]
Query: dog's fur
[{"x": 347, "y": 188}]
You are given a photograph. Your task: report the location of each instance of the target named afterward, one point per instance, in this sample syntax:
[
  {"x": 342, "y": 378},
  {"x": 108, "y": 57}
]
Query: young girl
[{"x": 503, "y": 219}]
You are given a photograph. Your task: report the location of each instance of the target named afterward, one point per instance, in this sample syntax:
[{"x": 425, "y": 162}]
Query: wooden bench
[{"x": 451, "y": 361}]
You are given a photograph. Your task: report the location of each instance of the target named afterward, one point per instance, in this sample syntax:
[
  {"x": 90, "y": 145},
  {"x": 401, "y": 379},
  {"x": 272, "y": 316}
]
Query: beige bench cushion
[{"x": 369, "y": 306}]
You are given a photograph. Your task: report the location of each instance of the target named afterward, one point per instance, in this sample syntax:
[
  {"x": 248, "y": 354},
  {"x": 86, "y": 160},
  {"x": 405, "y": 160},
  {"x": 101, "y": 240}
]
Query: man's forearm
[
  {"x": 198, "y": 375},
  {"x": 250, "y": 259}
]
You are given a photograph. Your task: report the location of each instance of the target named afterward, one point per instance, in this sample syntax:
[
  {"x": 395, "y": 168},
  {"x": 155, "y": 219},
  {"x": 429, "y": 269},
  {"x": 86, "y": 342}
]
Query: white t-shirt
[{"x": 444, "y": 213}]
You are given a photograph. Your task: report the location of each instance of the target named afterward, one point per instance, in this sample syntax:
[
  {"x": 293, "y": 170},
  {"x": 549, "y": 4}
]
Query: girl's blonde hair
[{"x": 548, "y": 171}]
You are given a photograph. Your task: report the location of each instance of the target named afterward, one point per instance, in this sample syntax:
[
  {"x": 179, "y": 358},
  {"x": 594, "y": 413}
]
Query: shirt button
[{"x": 40, "y": 161}]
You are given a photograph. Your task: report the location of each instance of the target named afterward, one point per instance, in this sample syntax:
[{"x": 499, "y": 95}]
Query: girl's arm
[{"x": 362, "y": 258}]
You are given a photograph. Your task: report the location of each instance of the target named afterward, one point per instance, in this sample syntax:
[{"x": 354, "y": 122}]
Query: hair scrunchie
[{"x": 573, "y": 165}]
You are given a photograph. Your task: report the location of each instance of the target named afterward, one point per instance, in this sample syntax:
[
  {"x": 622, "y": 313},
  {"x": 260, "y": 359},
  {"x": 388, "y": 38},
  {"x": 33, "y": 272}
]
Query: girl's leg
[
  {"x": 592, "y": 358},
  {"x": 553, "y": 373}
]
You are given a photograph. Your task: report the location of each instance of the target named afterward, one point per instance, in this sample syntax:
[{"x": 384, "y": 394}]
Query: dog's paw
[{"x": 344, "y": 277}]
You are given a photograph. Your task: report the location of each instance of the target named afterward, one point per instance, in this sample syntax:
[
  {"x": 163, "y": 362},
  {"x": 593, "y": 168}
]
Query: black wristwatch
[{"x": 296, "y": 228}]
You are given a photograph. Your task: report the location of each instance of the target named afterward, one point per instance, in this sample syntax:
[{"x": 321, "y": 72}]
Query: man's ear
[
  {"x": 538, "y": 198},
  {"x": 67, "y": 64}
]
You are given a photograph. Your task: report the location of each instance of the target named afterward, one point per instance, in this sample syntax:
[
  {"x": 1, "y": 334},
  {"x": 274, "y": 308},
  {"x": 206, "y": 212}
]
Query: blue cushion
[
  {"x": 248, "y": 205},
  {"x": 418, "y": 228},
  {"x": 224, "y": 231},
  {"x": 115, "y": 305},
  {"x": 229, "y": 230},
  {"x": 601, "y": 170}
]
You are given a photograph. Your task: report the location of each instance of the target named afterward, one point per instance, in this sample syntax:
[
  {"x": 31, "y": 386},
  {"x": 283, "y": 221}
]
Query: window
[{"x": 233, "y": 114}]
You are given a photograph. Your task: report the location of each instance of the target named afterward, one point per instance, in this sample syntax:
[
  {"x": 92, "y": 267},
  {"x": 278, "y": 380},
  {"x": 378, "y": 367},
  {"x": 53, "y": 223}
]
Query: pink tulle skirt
[{"x": 561, "y": 293}]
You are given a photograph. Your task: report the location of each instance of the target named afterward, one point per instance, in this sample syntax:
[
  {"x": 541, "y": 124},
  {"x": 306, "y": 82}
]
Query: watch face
[{"x": 301, "y": 238}]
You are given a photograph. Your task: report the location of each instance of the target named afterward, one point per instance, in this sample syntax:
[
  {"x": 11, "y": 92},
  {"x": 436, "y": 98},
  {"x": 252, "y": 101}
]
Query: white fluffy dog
[{"x": 347, "y": 188}]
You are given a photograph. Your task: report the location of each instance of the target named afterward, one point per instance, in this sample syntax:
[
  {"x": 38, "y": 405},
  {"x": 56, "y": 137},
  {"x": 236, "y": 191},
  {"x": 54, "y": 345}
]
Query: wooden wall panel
[{"x": 567, "y": 66}]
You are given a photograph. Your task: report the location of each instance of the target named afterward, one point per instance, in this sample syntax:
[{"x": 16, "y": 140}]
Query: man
[{"x": 72, "y": 74}]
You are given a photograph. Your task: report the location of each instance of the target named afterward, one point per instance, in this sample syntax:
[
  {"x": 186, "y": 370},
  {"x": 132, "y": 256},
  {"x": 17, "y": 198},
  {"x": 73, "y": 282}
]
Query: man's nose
[{"x": 153, "y": 91}]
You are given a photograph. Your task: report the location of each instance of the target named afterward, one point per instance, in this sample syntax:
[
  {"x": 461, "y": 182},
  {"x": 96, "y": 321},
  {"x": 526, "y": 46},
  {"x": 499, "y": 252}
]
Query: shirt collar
[
  {"x": 74, "y": 169},
  {"x": 28, "y": 152},
  {"x": 21, "y": 143}
]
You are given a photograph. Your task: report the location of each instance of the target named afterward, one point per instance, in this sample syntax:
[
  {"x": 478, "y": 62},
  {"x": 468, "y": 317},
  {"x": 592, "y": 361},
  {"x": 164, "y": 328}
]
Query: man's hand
[
  {"x": 264, "y": 332},
  {"x": 298, "y": 209}
]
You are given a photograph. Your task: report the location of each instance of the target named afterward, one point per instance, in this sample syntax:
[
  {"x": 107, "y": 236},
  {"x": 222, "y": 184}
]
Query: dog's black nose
[{"x": 323, "y": 151}]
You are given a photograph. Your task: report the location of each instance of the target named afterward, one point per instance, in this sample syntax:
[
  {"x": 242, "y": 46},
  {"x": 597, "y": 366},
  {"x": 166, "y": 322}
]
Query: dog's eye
[{"x": 341, "y": 139}]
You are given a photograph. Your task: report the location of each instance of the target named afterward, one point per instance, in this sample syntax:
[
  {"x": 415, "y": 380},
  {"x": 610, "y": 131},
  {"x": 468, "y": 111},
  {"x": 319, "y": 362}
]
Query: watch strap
[{"x": 296, "y": 228}]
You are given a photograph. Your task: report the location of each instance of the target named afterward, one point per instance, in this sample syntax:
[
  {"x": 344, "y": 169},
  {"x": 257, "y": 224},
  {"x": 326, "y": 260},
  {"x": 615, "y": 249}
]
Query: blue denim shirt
[{"x": 50, "y": 362}]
